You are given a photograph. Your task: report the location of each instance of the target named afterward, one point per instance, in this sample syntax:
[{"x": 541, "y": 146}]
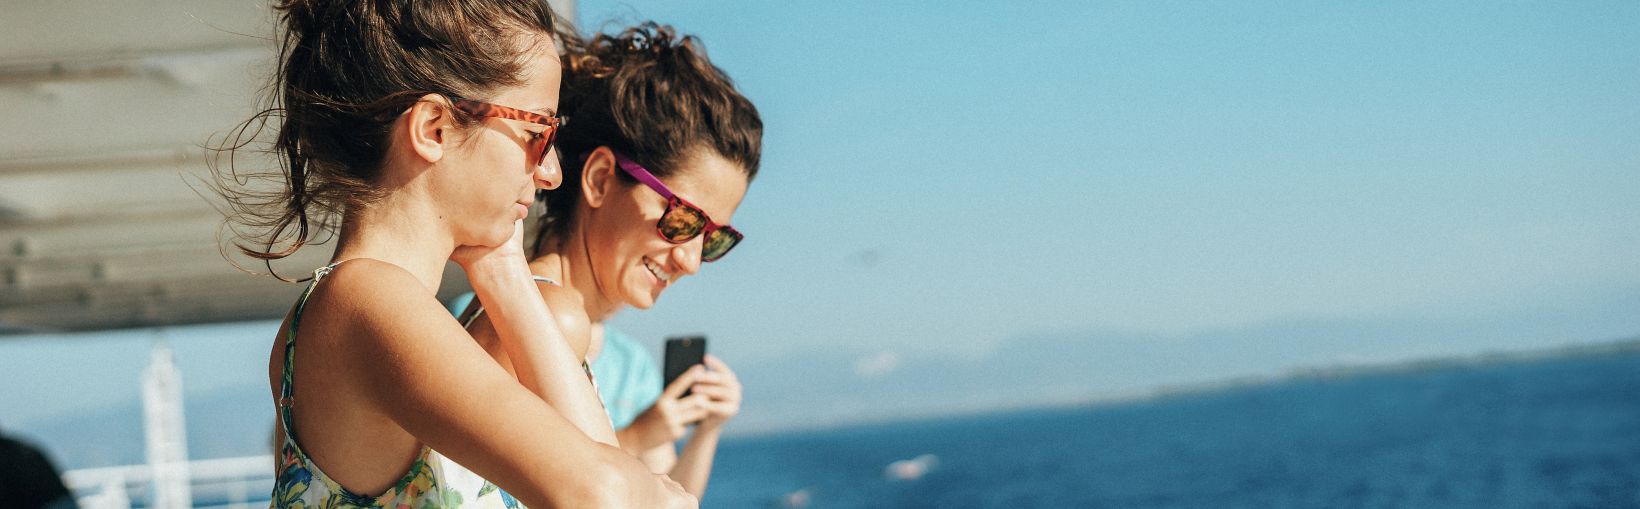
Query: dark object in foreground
[{"x": 28, "y": 480}]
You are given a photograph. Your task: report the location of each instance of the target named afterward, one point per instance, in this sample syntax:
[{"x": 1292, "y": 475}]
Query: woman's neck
[
  {"x": 568, "y": 263},
  {"x": 399, "y": 231}
]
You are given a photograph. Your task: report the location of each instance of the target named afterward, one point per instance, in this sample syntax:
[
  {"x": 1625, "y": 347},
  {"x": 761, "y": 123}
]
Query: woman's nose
[
  {"x": 687, "y": 254},
  {"x": 548, "y": 174}
]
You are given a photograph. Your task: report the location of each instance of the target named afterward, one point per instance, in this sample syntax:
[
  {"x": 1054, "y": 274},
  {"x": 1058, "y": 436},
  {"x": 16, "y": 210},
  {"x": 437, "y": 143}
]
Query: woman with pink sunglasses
[{"x": 662, "y": 153}]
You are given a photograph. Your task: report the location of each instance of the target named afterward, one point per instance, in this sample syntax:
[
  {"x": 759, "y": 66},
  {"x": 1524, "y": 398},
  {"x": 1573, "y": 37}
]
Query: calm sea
[{"x": 1544, "y": 433}]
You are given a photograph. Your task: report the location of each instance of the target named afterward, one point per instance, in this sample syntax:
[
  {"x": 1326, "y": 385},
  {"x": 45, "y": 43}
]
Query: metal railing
[{"x": 226, "y": 483}]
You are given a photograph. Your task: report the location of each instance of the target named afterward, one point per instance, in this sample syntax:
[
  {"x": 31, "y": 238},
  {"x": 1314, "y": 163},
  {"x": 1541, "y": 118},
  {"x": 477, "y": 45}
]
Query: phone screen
[{"x": 682, "y": 352}]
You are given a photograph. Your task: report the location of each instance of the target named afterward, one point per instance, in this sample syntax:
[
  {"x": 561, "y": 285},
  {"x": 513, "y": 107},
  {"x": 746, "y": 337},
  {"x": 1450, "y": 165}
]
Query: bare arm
[
  {"x": 433, "y": 381},
  {"x": 715, "y": 400},
  {"x": 694, "y": 467},
  {"x": 722, "y": 391},
  {"x": 692, "y": 470},
  {"x": 667, "y": 420},
  {"x": 545, "y": 363},
  {"x": 660, "y": 459}
]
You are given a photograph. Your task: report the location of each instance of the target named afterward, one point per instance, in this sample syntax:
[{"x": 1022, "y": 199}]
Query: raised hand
[
  {"x": 669, "y": 418},
  {"x": 508, "y": 255},
  {"x": 722, "y": 391}
]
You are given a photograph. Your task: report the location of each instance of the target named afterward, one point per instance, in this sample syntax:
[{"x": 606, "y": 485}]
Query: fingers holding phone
[
  {"x": 679, "y": 386},
  {"x": 674, "y": 411},
  {"x": 690, "y": 372},
  {"x": 722, "y": 390}
]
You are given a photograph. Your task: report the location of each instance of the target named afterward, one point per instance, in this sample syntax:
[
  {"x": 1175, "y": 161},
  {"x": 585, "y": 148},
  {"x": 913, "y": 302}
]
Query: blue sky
[
  {"x": 945, "y": 178},
  {"x": 947, "y": 175}
]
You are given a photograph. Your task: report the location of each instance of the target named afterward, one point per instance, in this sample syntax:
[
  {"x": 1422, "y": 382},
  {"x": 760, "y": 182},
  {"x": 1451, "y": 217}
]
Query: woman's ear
[
  {"x": 429, "y": 126},
  {"x": 598, "y": 176}
]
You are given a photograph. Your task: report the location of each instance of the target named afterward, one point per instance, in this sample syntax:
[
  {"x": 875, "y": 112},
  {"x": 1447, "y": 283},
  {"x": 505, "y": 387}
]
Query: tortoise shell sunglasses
[{"x": 539, "y": 143}]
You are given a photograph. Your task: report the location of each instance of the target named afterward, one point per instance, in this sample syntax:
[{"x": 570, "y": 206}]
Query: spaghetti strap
[
  {"x": 301, "y": 482},
  {"x": 475, "y": 309},
  {"x": 287, "y": 391}
]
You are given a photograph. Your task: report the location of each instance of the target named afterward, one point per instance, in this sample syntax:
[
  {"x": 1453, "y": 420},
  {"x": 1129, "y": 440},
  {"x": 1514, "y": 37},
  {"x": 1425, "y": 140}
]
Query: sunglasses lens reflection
[
  {"x": 682, "y": 223},
  {"x": 717, "y": 244}
]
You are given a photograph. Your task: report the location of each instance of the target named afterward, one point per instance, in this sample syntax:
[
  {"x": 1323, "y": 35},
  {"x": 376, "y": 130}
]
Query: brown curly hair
[{"x": 652, "y": 96}]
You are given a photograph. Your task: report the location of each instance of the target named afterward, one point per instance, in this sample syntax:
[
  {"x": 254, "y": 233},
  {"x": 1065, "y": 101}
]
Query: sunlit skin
[
  {"x": 381, "y": 371},
  {"x": 603, "y": 267},
  {"x": 604, "y": 257},
  {"x": 601, "y": 264}
]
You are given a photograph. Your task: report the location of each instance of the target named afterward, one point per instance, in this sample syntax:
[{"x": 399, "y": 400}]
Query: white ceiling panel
[
  {"x": 107, "y": 108},
  {"x": 49, "y": 30}
]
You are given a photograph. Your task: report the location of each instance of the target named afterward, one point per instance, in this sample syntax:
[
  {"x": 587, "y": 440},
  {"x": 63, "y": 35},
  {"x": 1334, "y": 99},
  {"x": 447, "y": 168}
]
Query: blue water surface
[{"x": 1545, "y": 433}]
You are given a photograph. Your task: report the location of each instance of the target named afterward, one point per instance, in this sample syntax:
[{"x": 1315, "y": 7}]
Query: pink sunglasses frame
[{"x": 637, "y": 171}]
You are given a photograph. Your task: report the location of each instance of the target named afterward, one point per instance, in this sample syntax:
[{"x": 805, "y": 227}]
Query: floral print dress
[{"x": 432, "y": 482}]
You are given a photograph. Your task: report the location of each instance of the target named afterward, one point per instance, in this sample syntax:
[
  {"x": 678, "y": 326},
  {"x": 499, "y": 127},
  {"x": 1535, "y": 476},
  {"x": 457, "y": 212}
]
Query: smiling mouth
[{"x": 655, "y": 269}]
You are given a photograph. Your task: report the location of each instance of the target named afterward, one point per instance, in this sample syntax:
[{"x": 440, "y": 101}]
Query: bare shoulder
[
  {"x": 369, "y": 308},
  {"x": 569, "y": 312},
  {"x": 364, "y": 282},
  {"x": 371, "y": 342}
]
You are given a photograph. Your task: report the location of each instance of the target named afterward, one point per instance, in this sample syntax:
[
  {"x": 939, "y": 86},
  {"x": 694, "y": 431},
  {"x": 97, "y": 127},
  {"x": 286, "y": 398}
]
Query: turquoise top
[
  {"x": 628, "y": 380},
  {"x": 459, "y": 303}
]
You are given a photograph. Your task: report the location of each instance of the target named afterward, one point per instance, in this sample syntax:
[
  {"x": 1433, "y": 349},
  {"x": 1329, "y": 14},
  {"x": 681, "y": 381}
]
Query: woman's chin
[
  {"x": 487, "y": 239},
  {"x": 641, "y": 300}
]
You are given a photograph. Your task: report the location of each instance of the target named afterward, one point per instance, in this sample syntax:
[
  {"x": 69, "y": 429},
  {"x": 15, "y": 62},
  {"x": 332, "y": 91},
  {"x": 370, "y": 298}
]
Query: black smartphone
[{"x": 682, "y": 352}]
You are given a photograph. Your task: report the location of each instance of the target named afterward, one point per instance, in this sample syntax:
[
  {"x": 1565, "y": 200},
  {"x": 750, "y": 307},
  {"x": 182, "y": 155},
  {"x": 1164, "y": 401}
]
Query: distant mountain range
[
  {"x": 835, "y": 387},
  {"x": 842, "y": 387}
]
